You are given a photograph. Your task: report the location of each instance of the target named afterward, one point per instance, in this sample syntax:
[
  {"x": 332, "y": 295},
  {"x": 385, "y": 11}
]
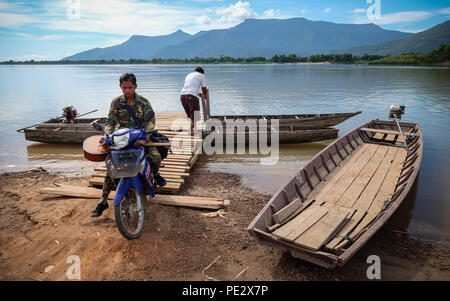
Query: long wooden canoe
[
  {"x": 292, "y": 128},
  {"x": 285, "y": 135},
  {"x": 305, "y": 120},
  {"x": 335, "y": 203}
]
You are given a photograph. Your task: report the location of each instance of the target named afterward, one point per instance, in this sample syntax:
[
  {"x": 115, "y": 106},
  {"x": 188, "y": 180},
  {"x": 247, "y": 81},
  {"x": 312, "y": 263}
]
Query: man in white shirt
[{"x": 192, "y": 84}]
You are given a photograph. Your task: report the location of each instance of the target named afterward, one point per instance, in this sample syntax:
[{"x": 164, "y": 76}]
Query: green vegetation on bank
[
  {"x": 437, "y": 56},
  {"x": 292, "y": 58}
]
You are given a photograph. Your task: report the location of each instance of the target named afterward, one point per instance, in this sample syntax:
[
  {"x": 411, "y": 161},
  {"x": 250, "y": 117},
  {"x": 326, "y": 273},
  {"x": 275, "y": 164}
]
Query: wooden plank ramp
[{"x": 176, "y": 167}]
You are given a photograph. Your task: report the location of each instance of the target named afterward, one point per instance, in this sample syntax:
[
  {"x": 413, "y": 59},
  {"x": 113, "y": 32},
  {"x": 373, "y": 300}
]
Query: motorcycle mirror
[
  {"x": 97, "y": 126},
  {"x": 149, "y": 116}
]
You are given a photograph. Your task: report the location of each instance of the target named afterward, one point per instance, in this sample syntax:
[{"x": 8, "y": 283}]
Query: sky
[{"x": 54, "y": 29}]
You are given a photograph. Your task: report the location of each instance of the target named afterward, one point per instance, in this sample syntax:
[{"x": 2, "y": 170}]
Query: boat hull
[
  {"x": 366, "y": 213},
  {"x": 305, "y": 120}
]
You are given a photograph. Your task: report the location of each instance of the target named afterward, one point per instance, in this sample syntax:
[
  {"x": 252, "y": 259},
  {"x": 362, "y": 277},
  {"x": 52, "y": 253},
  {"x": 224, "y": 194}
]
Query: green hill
[
  {"x": 422, "y": 42},
  {"x": 440, "y": 55}
]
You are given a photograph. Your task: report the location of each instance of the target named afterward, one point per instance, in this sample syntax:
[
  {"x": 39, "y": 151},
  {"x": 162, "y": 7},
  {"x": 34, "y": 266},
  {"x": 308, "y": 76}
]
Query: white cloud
[
  {"x": 126, "y": 17},
  {"x": 269, "y": 13},
  {"x": 203, "y": 20},
  {"x": 400, "y": 17},
  {"x": 274, "y": 14},
  {"x": 235, "y": 14},
  {"x": 444, "y": 11},
  {"x": 28, "y": 36},
  {"x": 359, "y": 10},
  {"x": 413, "y": 30},
  {"x": 304, "y": 11},
  {"x": 327, "y": 10},
  {"x": 102, "y": 16},
  {"x": 14, "y": 20},
  {"x": 29, "y": 57}
]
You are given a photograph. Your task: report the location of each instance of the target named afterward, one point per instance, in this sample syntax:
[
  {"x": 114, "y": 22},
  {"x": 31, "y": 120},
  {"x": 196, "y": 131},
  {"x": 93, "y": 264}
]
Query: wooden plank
[
  {"x": 169, "y": 171},
  {"x": 185, "y": 161},
  {"x": 322, "y": 188},
  {"x": 193, "y": 160},
  {"x": 172, "y": 169},
  {"x": 367, "y": 196},
  {"x": 357, "y": 186},
  {"x": 280, "y": 216},
  {"x": 315, "y": 211},
  {"x": 174, "y": 173},
  {"x": 168, "y": 177},
  {"x": 379, "y": 136},
  {"x": 196, "y": 202},
  {"x": 99, "y": 181},
  {"x": 178, "y": 156},
  {"x": 384, "y": 131},
  {"x": 175, "y": 167},
  {"x": 348, "y": 227},
  {"x": 390, "y": 138},
  {"x": 385, "y": 192},
  {"x": 175, "y": 200},
  {"x": 316, "y": 236},
  {"x": 350, "y": 175},
  {"x": 303, "y": 225}
]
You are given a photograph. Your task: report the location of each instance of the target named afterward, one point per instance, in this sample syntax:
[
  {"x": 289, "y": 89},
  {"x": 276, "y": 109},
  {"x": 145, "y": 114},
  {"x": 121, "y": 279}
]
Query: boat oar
[{"x": 56, "y": 119}]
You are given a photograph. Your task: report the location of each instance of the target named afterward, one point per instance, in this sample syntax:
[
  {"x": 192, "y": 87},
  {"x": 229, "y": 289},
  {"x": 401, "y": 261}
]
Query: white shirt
[{"x": 192, "y": 83}]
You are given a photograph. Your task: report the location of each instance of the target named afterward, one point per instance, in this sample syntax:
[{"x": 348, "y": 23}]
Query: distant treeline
[
  {"x": 440, "y": 55},
  {"x": 291, "y": 58}
]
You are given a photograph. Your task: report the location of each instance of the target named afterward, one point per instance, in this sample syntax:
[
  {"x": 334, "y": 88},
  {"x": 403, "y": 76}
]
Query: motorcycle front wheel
[{"x": 130, "y": 214}]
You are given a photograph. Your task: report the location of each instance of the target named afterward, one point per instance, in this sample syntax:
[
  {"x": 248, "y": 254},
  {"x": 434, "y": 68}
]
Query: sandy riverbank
[{"x": 38, "y": 231}]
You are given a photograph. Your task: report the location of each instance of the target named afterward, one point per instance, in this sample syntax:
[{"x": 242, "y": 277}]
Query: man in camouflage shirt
[{"x": 119, "y": 118}]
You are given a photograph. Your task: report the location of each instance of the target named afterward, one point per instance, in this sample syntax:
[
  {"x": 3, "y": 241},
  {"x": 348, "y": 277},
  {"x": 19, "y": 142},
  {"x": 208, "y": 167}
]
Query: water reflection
[
  {"x": 65, "y": 159},
  {"x": 264, "y": 178},
  {"x": 45, "y": 152}
]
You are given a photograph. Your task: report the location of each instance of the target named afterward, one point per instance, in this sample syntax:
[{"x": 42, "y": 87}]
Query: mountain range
[
  {"x": 422, "y": 42},
  {"x": 268, "y": 37}
]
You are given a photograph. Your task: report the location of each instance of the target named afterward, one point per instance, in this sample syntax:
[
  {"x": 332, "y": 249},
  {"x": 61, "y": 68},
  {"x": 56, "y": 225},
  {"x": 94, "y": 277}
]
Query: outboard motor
[
  {"x": 396, "y": 111},
  {"x": 69, "y": 114}
]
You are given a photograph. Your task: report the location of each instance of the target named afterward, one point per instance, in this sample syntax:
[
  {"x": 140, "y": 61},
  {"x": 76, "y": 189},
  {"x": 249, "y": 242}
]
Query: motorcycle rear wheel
[{"x": 130, "y": 214}]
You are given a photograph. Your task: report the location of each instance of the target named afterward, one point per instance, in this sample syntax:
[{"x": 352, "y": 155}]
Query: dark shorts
[{"x": 190, "y": 104}]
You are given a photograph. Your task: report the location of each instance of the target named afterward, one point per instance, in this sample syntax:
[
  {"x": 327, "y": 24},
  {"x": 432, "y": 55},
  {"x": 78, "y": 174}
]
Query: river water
[{"x": 31, "y": 94}]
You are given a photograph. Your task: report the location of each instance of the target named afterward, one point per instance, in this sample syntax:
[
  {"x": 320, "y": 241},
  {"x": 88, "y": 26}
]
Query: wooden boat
[
  {"x": 55, "y": 131},
  {"x": 334, "y": 204},
  {"x": 292, "y": 128},
  {"x": 305, "y": 120},
  {"x": 295, "y": 134}
]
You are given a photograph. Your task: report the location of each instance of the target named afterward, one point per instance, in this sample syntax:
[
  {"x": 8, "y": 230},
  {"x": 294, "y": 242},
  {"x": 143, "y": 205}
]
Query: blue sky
[{"x": 54, "y": 29}]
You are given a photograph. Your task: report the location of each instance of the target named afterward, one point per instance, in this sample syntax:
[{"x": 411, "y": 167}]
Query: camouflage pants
[{"x": 153, "y": 158}]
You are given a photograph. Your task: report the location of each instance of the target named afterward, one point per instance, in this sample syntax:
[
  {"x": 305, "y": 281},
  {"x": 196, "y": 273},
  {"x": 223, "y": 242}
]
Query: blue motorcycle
[{"x": 128, "y": 164}]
